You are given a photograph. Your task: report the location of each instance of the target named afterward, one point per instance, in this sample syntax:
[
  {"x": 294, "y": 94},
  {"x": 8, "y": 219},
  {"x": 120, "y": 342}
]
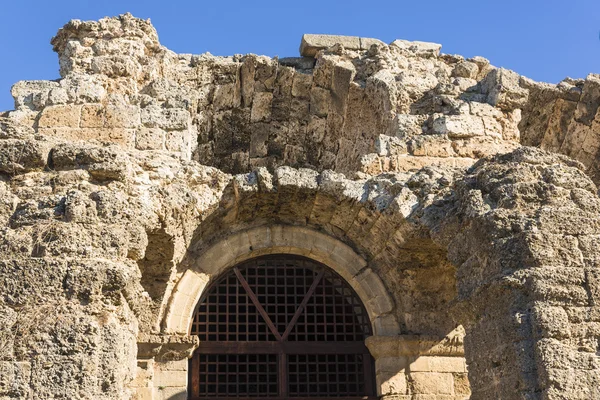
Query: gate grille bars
[{"x": 281, "y": 327}]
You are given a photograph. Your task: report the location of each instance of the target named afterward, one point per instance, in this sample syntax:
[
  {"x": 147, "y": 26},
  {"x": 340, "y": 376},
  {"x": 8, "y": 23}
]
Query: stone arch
[
  {"x": 364, "y": 229},
  {"x": 280, "y": 239},
  {"x": 373, "y": 218}
]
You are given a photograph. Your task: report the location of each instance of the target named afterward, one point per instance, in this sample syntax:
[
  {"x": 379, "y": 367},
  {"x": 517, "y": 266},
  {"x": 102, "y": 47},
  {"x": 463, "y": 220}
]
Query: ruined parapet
[{"x": 352, "y": 104}]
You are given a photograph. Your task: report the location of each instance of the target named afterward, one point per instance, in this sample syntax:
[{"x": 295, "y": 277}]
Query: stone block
[
  {"x": 60, "y": 116},
  {"x": 144, "y": 374},
  {"x": 185, "y": 296},
  {"x": 260, "y": 133},
  {"x": 32, "y": 95},
  {"x": 459, "y": 126},
  {"x": 298, "y": 63},
  {"x": 430, "y": 145},
  {"x": 408, "y": 125},
  {"x": 124, "y": 137},
  {"x": 385, "y": 325},
  {"x": 23, "y": 117},
  {"x": 419, "y": 48},
  {"x": 503, "y": 89},
  {"x": 19, "y": 156},
  {"x": 391, "y": 382},
  {"x": 226, "y": 96},
  {"x": 177, "y": 365},
  {"x": 122, "y": 116},
  {"x": 311, "y": 43},
  {"x": 343, "y": 75},
  {"x": 261, "y": 106},
  {"x": 101, "y": 162},
  {"x": 169, "y": 119},
  {"x": 170, "y": 378},
  {"x": 116, "y": 66},
  {"x": 92, "y": 116},
  {"x": 301, "y": 85},
  {"x": 439, "y": 364},
  {"x": 143, "y": 393},
  {"x": 461, "y": 385},
  {"x": 366, "y": 43},
  {"x": 176, "y": 140},
  {"x": 170, "y": 393},
  {"x": 320, "y": 101},
  {"x": 150, "y": 139},
  {"x": 466, "y": 69},
  {"x": 431, "y": 383}
]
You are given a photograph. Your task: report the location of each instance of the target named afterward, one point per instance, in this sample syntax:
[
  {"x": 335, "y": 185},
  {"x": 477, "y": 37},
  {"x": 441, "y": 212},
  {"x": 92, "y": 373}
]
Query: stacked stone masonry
[{"x": 138, "y": 177}]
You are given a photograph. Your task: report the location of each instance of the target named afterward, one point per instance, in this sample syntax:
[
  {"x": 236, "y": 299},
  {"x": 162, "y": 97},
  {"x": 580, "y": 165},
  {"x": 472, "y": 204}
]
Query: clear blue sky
[{"x": 546, "y": 40}]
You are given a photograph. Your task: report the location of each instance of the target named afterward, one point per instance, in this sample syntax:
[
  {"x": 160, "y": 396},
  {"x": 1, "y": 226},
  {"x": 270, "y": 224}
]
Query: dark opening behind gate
[{"x": 281, "y": 327}]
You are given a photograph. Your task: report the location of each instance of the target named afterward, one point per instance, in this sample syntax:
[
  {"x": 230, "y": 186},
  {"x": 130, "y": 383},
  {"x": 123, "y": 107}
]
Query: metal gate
[{"x": 281, "y": 327}]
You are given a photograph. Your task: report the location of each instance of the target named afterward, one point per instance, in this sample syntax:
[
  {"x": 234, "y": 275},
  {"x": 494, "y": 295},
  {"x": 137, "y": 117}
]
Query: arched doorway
[{"x": 281, "y": 326}]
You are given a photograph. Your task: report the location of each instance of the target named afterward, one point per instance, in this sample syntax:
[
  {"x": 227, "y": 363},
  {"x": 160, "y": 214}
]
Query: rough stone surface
[{"x": 475, "y": 252}]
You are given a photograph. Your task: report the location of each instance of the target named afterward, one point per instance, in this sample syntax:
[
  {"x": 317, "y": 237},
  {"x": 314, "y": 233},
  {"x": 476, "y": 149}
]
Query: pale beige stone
[
  {"x": 466, "y": 69},
  {"x": 439, "y": 364},
  {"x": 312, "y": 43},
  {"x": 150, "y": 139},
  {"x": 417, "y": 47},
  {"x": 392, "y": 383},
  {"x": 461, "y": 385},
  {"x": 431, "y": 383},
  {"x": 170, "y": 393},
  {"x": 122, "y": 116},
  {"x": 93, "y": 116},
  {"x": 459, "y": 126},
  {"x": 60, "y": 116}
]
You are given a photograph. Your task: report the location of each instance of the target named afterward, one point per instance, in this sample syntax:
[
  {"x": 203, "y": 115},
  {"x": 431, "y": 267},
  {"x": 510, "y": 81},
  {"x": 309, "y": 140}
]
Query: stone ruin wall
[{"x": 140, "y": 174}]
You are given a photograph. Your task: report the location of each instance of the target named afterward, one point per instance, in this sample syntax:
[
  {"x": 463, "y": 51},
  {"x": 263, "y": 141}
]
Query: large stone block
[
  {"x": 150, "y": 139},
  {"x": 311, "y": 43},
  {"x": 122, "y": 116},
  {"x": 431, "y": 383},
  {"x": 169, "y": 119},
  {"x": 420, "y": 48},
  {"x": 32, "y": 94},
  {"x": 261, "y": 106},
  {"x": 60, "y": 116},
  {"x": 93, "y": 116},
  {"x": 100, "y": 162},
  {"x": 19, "y": 156},
  {"x": 459, "y": 126}
]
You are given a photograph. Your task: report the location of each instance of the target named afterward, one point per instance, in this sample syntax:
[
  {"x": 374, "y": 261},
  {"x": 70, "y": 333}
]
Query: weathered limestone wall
[
  {"x": 564, "y": 118},
  {"x": 525, "y": 246},
  {"x": 141, "y": 174},
  {"x": 385, "y": 108}
]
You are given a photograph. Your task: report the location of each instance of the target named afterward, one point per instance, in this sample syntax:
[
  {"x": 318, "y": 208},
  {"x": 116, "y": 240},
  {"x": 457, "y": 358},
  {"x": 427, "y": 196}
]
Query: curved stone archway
[{"x": 294, "y": 240}]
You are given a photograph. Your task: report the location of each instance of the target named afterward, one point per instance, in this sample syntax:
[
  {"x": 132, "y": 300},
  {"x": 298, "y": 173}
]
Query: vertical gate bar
[
  {"x": 195, "y": 375},
  {"x": 283, "y": 385},
  {"x": 368, "y": 374}
]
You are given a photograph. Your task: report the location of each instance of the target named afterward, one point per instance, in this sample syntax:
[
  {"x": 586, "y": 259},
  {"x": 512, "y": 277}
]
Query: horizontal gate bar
[
  {"x": 282, "y": 347},
  {"x": 289, "y": 398}
]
